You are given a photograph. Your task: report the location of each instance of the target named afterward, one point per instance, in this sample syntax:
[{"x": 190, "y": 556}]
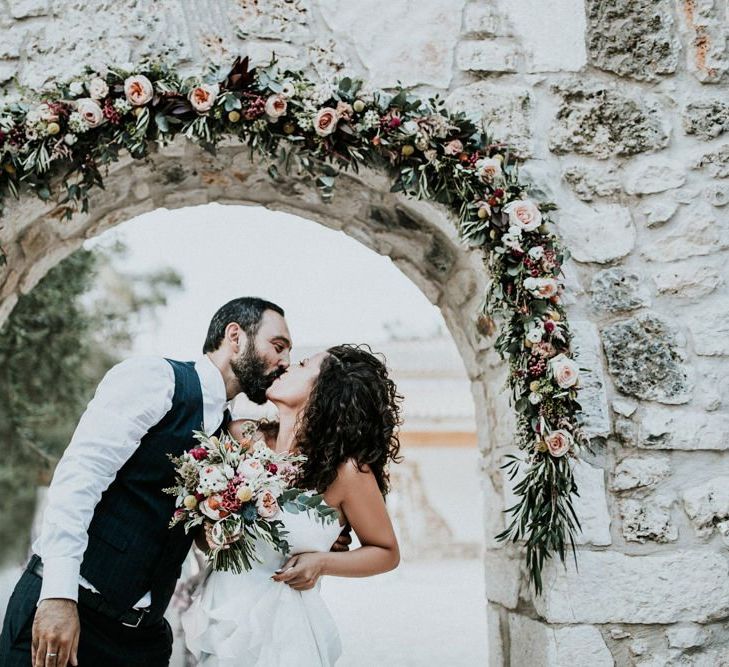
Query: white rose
[
  {"x": 138, "y": 90},
  {"x": 76, "y": 88},
  {"x": 250, "y": 468},
  {"x": 70, "y": 139},
  {"x": 288, "y": 89},
  {"x": 410, "y": 127},
  {"x": 203, "y": 97},
  {"x": 534, "y": 335},
  {"x": 537, "y": 252},
  {"x": 276, "y": 106},
  {"x": 524, "y": 213},
  {"x": 535, "y": 398},
  {"x": 488, "y": 169},
  {"x": 98, "y": 89},
  {"x": 565, "y": 371},
  {"x": 90, "y": 111}
]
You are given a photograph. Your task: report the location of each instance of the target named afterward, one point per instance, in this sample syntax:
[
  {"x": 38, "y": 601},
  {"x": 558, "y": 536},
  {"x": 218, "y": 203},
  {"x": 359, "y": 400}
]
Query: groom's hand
[
  {"x": 344, "y": 540},
  {"x": 56, "y": 630}
]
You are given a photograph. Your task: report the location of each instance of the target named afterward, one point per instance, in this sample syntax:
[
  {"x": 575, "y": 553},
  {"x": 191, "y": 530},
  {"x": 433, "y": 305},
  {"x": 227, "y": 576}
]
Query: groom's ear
[{"x": 235, "y": 336}]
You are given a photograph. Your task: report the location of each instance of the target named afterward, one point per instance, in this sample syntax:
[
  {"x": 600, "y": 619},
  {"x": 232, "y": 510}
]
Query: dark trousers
[{"x": 104, "y": 642}]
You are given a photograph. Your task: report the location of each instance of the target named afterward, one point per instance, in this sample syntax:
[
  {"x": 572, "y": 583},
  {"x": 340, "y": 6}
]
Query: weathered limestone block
[
  {"x": 634, "y": 38},
  {"x": 710, "y": 331},
  {"x": 640, "y": 473},
  {"x": 647, "y": 520},
  {"x": 580, "y": 225},
  {"x": 537, "y": 645},
  {"x": 507, "y": 111},
  {"x": 646, "y": 360},
  {"x": 707, "y": 504},
  {"x": 657, "y": 211},
  {"x": 707, "y": 44},
  {"x": 487, "y": 56},
  {"x": 589, "y": 183},
  {"x": 425, "y": 57},
  {"x": 687, "y": 280},
  {"x": 665, "y": 428},
  {"x": 706, "y": 119},
  {"x": 715, "y": 162},
  {"x": 593, "y": 397},
  {"x": 21, "y": 9},
  {"x": 717, "y": 194},
  {"x": 687, "y": 636},
  {"x": 699, "y": 230},
  {"x": 482, "y": 20},
  {"x": 610, "y": 587},
  {"x": 649, "y": 177},
  {"x": 618, "y": 290},
  {"x": 502, "y": 577},
  {"x": 604, "y": 121}
]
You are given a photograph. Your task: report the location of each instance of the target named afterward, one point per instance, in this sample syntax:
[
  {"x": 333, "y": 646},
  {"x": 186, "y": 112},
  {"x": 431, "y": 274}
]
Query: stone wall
[{"x": 622, "y": 111}]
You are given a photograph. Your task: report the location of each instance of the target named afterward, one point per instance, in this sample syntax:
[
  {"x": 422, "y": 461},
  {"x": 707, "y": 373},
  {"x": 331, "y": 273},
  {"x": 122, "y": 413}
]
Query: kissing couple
[{"x": 106, "y": 562}]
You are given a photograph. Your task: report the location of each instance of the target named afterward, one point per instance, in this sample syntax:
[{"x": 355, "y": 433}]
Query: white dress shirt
[{"x": 131, "y": 398}]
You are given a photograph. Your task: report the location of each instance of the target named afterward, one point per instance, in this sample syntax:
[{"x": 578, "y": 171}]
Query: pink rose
[
  {"x": 564, "y": 371},
  {"x": 138, "y": 90},
  {"x": 90, "y": 111},
  {"x": 203, "y": 97},
  {"x": 454, "y": 147},
  {"x": 325, "y": 121},
  {"x": 523, "y": 213},
  {"x": 266, "y": 505},
  {"x": 276, "y": 106},
  {"x": 558, "y": 442}
]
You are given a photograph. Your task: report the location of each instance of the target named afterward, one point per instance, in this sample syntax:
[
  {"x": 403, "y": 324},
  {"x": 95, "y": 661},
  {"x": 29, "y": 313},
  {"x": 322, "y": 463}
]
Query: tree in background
[{"x": 54, "y": 349}]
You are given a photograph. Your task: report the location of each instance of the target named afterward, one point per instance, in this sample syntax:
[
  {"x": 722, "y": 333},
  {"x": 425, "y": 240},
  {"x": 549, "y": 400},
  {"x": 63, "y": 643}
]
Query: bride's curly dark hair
[{"x": 353, "y": 412}]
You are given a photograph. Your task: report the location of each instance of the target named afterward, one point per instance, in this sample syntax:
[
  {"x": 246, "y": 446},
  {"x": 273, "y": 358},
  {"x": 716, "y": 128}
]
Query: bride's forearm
[{"x": 361, "y": 562}]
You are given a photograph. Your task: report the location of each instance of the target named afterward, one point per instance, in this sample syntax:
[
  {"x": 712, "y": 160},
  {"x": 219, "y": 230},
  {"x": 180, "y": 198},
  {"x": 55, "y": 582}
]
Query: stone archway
[{"x": 641, "y": 208}]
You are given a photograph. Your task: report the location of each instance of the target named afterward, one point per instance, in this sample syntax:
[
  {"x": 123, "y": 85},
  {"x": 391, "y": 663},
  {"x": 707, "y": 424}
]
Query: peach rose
[
  {"x": 344, "y": 110},
  {"x": 276, "y": 106},
  {"x": 90, "y": 111},
  {"x": 558, "y": 442},
  {"x": 524, "y": 213},
  {"x": 266, "y": 505},
  {"x": 210, "y": 507},
  {"x": 325, "y": 121},
  {"x": 98, "y": 88},
  {"x": 564, "y": 371},
  {"x": 454, "y": 147},
  {"x": 488, "y": 169},
  {"x": 138, "y": 90},
  {"x": 203, "y": 97}
]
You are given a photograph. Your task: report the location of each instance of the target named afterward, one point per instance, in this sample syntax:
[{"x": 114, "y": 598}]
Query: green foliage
[{"x": 54, "y": 349}]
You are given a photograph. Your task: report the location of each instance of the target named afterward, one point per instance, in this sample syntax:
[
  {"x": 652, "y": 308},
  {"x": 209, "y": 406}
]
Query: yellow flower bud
[
  {"x": 483, "y": 213},
  {"x": 53, "y": 128},
  {"x": 190, "y": 502},
  {"x": 138, "y": 111},
  {"x": 407, "y": 150},
  {"x": 289, "y": 127},
  {"x": 542, "y": 446},
  {"x": 498, "y": 157},
  {"x": 358, "y": 106},
  {"x": 553, "y": 314},
  {"x": 244, "y": 494},
  {"x": 527, "y": 343},
  {"x": 534, "y": 386},
  {"x": 234, "y": 116}
]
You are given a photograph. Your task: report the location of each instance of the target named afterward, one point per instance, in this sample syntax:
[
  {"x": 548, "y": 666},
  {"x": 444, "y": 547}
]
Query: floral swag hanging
[{"x": 59, "y": 144}]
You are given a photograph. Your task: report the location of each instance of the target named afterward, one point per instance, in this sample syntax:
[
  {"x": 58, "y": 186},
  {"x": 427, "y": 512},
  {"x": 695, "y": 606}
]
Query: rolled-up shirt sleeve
[{"x": 131, "y": 398}]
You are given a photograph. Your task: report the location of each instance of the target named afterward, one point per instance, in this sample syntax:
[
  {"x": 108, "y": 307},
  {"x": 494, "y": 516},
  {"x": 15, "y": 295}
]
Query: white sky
[{"x": 332, "y": 288}]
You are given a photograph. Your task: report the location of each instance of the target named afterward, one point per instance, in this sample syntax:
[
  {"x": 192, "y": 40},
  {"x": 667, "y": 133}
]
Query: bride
[{"x": 341, "y": 410}]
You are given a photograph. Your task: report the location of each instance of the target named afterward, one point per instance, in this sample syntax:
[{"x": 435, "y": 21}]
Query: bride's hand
[{"x": 301, "y": 572}]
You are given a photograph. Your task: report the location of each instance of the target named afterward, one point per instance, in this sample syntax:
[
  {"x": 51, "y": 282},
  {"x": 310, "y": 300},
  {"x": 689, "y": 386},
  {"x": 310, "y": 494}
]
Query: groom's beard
[{"x": 250, "y": 370}]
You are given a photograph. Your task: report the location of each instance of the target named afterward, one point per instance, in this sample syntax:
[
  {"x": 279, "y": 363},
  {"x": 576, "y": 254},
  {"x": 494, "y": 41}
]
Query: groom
[{"x": 106, "y": 563}]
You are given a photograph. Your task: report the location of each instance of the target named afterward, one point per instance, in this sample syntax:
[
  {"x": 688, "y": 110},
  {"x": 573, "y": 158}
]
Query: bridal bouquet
[{"x": 236, "y": 490}]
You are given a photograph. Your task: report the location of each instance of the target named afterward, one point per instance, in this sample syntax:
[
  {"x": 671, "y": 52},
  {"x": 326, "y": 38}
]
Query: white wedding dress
[{"x": 242, "y": 620}]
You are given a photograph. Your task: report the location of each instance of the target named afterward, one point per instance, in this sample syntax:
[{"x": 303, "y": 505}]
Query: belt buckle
[{"x": 142, "y": 612}]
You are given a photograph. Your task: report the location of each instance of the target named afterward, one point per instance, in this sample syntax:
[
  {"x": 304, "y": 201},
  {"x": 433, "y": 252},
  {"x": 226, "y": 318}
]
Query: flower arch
[{"x": 59, "y": 145}]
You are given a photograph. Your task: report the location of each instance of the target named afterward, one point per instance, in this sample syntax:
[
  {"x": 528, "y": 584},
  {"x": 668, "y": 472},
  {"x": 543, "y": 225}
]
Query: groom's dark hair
[{"x": 245, "y": 311}]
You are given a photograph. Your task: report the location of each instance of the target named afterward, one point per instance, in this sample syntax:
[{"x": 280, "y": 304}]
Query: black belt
[{"x": 132, "y": 618}]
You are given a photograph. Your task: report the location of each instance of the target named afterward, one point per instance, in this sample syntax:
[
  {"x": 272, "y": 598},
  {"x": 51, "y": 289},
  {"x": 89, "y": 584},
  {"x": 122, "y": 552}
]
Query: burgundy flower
[
  {"x": 272, "y": 468},
  {"x": 199, "y": 453}
]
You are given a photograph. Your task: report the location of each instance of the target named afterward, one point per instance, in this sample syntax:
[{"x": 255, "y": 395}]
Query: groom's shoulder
[{"x": 142, "y": 366}]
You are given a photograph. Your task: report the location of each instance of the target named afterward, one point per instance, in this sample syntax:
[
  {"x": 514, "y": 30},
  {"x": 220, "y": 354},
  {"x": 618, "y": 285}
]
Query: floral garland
[{"x": 59, "y": 145}]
